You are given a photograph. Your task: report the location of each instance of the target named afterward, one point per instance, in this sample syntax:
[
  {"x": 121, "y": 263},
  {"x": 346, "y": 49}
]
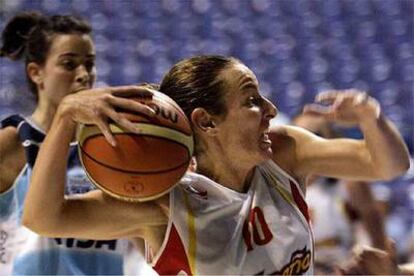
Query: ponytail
[{"x": 16, "y": 34}]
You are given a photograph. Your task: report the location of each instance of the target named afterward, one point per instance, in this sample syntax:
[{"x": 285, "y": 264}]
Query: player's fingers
[
  {"x": 319, "y": 110},
  {"x": 131, "y": 105},
  {"x": 328, "y": 96},
  {"x": 339, "y": 101},
  {"x": 121, "y": 121},
  {"x": 361, "y": 98},
  {"x": 131, "y": 91},
  {"x": 106, "y": 131}
]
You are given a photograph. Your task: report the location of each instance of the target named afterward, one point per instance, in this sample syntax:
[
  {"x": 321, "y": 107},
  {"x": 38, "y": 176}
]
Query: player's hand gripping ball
[{"x": 144, "y": 165}]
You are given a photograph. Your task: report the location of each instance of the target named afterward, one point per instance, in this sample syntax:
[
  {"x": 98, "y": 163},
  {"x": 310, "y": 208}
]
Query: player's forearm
[
  {"x": 373, "y": 222},
  {"x": 388, "y": 153},
  {"x": 45, "y": 199},
  {"x": 363, "y": 201}
]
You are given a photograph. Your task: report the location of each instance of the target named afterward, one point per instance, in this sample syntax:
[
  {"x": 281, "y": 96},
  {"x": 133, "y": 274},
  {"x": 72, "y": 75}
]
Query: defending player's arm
[
  {"x": 382, "y": 153},
  {"x": 46, "y": 210},
  {"x": 12, "y": 158},
  {"x": 362, "y": 200}
]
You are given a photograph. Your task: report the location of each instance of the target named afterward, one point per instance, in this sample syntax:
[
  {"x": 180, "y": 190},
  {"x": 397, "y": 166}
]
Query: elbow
[
  {"x": 37, "y": 225},
  {"x": 405, "y": 166},
  {"x": 401, "y": 165},
  {"x": 396, "y": 171},
  {"x": 31, "y": 223}
]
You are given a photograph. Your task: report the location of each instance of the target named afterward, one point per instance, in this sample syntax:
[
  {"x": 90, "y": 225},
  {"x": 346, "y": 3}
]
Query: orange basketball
[{"x": 142, "y": 166}]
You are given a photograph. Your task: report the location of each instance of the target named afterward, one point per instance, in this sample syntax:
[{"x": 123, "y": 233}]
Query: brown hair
[
  {"x": 29, "y": 35},
  {"x": 194, "y": 82}
]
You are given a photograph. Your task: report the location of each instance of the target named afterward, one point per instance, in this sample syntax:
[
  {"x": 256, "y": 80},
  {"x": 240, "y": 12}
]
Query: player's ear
[
  {"x": 35, "y": 73},
  {"x": 203, "y": 121}
]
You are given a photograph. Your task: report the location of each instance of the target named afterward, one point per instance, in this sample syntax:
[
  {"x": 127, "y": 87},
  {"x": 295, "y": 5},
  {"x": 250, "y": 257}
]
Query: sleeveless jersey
[
  {"x": 24, "y": 252},
  {"x": 216, "y": 230}
]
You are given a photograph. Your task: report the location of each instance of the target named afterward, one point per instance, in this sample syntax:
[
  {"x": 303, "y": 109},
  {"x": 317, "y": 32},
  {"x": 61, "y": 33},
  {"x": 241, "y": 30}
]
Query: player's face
[
  {"x": 243, "y": 131},
  {"x": 69, "y": 67}
]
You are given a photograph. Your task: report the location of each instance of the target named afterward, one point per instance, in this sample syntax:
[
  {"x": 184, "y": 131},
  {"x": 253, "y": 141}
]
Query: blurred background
[{"x": 296, "y": 48}]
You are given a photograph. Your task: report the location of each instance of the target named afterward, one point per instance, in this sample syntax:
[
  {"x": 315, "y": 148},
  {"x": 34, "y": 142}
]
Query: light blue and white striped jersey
[{"x": 24, "y": 252}]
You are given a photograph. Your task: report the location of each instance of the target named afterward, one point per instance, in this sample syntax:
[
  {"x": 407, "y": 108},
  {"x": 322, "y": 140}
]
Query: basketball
[{"x": 145, "y": 165}]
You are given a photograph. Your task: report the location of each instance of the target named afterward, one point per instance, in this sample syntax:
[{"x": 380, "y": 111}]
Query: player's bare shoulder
[
  {"x": 12, "y": 157},
  {"x": 287, "y": 145},
  {"x": 294, "y": 149},
  {"x": 291, "y": 135},
  {"x": 283, "y": 146}
]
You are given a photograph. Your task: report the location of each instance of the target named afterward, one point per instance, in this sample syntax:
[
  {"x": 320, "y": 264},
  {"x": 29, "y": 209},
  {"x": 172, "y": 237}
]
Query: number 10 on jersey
[{"x": 255, "y": 229}]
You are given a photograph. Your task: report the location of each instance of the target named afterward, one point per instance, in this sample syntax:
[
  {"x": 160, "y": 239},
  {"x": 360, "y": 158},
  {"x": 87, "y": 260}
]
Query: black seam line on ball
[{"x": 138, "y": 172}]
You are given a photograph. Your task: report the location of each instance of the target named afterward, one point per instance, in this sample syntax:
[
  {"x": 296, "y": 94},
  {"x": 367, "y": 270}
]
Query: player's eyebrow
[{"x": 70, "y": 54}]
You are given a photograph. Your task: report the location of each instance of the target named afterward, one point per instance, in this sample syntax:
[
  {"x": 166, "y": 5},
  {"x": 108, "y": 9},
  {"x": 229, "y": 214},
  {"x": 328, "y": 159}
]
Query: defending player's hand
[
  {"x": 98, "y": 106},
  {"x": 372, "y": 261},
  {"x": 349, "y": 107}
]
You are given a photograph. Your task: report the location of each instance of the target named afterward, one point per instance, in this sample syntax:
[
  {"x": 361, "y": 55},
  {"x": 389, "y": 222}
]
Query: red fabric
[
  {"x": 174, "y": 258},
  {"x": 300, "y": 202}
]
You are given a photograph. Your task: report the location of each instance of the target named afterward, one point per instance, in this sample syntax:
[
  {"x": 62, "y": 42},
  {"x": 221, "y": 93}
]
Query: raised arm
[
  {"x": 382, "y": 153},
  {"x": 92, "y": 215}
]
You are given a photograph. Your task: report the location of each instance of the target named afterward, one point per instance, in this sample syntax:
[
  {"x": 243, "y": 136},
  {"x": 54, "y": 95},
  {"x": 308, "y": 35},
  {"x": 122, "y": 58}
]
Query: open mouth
[{"x": 265, "y": 140}]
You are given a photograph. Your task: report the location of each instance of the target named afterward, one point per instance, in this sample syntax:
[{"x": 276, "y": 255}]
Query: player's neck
[
  {"x": 43, "y": 119},
  {"x": 227, "y": 174},
  {"x": 43, "y": 116}
]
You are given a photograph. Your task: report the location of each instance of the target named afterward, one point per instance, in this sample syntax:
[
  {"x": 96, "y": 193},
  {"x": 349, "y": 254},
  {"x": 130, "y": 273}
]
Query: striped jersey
[{"x": 24, "y": 252}]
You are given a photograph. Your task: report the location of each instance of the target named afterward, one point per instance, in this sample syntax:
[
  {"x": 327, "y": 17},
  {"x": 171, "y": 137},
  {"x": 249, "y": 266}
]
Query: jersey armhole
[
  {"x": 157, "y": 256},
  {"x": 16, "y": 180},
  {"x": 275, "y": 166}
]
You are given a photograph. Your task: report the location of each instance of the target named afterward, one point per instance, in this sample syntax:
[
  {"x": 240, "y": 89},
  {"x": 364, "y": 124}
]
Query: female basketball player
[
  {"x": 59, "y": 58},
  {"x": 243, "y": 211}
]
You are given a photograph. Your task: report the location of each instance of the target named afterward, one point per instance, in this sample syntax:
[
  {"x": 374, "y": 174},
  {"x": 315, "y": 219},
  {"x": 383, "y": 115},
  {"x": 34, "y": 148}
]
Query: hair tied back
[{"x": 17, "y": 32}]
